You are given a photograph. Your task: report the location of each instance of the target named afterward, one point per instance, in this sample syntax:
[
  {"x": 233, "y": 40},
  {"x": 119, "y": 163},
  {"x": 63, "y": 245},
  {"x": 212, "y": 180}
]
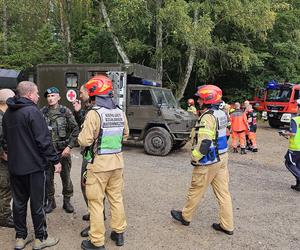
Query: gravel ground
[{"x": 266, "y": 210}]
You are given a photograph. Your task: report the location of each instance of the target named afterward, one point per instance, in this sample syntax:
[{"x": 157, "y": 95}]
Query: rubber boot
[
  {"x": 243, "y": 151},
  {"x": 118, "y": 238},
  {"x": 297, "y": 186},
  {"x": 67, "y": 206},
  {"x": 51, "y": 204},
  {"x": 86, "y": 217},
  {"x": 85, "y": 232}
]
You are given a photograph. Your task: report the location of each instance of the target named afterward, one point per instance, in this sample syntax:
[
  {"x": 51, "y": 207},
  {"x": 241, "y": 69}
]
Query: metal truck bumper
[{"x": 282, "y": 117}]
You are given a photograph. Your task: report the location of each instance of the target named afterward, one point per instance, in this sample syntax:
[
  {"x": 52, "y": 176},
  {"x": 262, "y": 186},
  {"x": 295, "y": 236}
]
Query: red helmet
[
  {"x": 99, "y": 85},
  {"x": 190, "y": 101},
  {"x": 210, "y": 94}
]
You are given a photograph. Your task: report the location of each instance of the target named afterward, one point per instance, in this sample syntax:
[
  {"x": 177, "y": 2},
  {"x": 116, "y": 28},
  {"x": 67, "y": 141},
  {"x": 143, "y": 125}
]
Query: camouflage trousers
[
  {"x": 5, "y": 193},
  {"x": 82, "y": 184},
  {"x": 65, "y": 176}
]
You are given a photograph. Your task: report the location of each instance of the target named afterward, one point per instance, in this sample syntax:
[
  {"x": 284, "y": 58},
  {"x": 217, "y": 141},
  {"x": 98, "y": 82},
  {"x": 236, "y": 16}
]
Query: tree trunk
[
  {"x": 190, "y": 63},
  {"x": 114, "y": 37},
  {"x": 65, "y": 12},
  {"x": 159, "y": 33},
  {"x": 4, "y": 23},
  {"x": 68, "y": 32}
]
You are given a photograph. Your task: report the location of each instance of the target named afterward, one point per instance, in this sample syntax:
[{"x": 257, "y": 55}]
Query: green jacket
[{"x": 62, "y": 126}]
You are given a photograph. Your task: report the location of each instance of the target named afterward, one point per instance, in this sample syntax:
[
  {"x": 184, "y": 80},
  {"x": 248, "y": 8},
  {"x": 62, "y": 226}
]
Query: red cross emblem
[{"x": 71, "y": 95}]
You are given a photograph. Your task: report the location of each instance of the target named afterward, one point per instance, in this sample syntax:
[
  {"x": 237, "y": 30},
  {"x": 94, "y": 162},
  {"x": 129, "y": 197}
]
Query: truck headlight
[
  {"x": 286, "y": 117},
  {"x": 264, "y": 115}
]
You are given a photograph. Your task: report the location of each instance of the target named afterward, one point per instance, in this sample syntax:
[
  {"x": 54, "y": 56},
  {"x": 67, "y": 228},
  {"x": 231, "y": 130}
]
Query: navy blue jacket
[{"x": 28, "y": 139}]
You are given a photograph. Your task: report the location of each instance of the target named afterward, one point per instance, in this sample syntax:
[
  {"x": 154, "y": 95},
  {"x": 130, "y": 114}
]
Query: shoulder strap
[
  {"x": 45, "y": 110},
  {"x": 62, "y": 109}
]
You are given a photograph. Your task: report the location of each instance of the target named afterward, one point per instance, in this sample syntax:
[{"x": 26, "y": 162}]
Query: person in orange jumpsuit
[{"x": 239, "y": 127}]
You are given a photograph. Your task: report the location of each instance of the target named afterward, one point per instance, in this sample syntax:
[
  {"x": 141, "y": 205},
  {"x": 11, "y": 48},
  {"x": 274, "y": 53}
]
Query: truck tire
[
  {"x": 274, "y": 123},
  {"x": 158, "y": 141}
]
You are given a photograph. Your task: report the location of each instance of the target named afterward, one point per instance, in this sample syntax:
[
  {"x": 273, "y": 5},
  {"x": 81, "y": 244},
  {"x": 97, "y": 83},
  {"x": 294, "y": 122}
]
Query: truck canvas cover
[{"x": 9, "y": 78}]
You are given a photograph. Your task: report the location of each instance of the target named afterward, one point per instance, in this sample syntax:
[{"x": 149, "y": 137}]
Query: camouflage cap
[{"x": 52, "y": 90}]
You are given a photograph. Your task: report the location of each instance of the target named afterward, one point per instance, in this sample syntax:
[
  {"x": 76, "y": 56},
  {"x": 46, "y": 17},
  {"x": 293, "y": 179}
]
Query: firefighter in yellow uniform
[
  {"x": 209, "y": 158},
  {"x": 102, "y": 132},
  {"x": 191, "y": 106}
]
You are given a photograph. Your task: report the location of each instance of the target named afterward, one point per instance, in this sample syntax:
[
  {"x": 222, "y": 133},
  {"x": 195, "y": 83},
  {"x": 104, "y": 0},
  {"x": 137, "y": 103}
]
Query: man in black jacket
[{"x": 29, "y": 152}]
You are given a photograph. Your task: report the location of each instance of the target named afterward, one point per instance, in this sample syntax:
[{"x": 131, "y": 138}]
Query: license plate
[{"x": 274, "y": 111}]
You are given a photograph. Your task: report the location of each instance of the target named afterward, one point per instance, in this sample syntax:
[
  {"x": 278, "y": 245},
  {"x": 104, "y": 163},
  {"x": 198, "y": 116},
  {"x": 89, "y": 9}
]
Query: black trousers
[
  {"x": 292, "y": 163},
  {"x": 24, "y": 187}
]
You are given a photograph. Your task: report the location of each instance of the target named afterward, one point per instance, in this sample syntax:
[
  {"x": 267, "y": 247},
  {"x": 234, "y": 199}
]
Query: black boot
[
  {"x": 218, "y": 227},
  {"x": 235, "y": 150},
  {"x": 297, "y": 186},
  {"x": 243, "y": 151},
  {"x": 9, "y": 222},
  {"x": 86, "y": 217},
  {"x": 177, "y": 215},
  {"x": 85, "y": 232},
  {"x": 118, "y": 238},
  {"x": 67, "y": 206},
  {"x": 254, "y": 150},
  {"x": 88, "y": 245},
  {"x": 51, "y": 204}
]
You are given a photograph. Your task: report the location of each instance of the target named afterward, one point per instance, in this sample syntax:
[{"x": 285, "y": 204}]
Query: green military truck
[{"x": 152, "y": 111}]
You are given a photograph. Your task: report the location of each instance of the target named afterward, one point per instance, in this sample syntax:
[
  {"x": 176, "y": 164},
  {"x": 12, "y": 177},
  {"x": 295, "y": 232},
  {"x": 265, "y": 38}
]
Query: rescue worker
[
  {"x": 248, "y": 141},
  {"x": 209, "y": 158},
  {"x": 239, "y": 127},
  {"x": 227, "y": 112},
  {"x": 64, "y": 132},
  {"x": 246, "y": 104},
  {"x": 81, "y": 107},
  {"x": 191, "y": 106},
  {"x": 252, "y": 127},
  {"x": 292, "y": 157},
  {"x": 6, "y": 219},
  {"x": 101, "y": 134}
]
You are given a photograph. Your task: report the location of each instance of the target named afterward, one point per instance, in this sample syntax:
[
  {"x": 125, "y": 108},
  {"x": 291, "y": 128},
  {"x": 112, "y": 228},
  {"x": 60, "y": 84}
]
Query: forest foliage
[{"x": 236, "y": 44}]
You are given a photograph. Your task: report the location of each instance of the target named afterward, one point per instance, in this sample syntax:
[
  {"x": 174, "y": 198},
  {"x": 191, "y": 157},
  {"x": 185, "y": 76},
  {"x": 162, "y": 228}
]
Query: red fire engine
[{"x": 279, "y": 103}]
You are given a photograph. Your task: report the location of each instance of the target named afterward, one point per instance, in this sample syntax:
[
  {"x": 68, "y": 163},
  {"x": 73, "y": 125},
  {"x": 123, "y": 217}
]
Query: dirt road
[{"x": 266, "y": 210}]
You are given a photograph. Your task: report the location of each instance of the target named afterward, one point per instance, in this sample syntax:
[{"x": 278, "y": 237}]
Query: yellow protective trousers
[
  {"x": 216, "y": 175},
  {"x": 99, "y": 184}
]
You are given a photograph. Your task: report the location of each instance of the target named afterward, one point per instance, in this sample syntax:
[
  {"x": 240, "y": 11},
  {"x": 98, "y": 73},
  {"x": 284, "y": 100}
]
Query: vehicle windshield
[
  {"x": 279, "y": 95},
  {"x": 165, "y": 97}
]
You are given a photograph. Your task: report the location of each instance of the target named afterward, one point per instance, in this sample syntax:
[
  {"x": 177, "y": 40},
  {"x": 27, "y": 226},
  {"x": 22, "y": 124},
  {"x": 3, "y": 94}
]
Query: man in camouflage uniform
[
  {"x": 81, "y": 107},
  {"x": 64, "y": 131},
  {"x": 6, "y": 219}
]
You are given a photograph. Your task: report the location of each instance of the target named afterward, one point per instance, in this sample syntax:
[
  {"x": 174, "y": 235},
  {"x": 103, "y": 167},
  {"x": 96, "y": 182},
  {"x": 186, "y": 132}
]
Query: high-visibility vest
[
  {"x": 192, "y": 109},
  {"x": 294, "y": 142},
  {"x": 111, "y": 130},
  {"x": 219, "y": 143},
  {"x": 238, "y": 120}
]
